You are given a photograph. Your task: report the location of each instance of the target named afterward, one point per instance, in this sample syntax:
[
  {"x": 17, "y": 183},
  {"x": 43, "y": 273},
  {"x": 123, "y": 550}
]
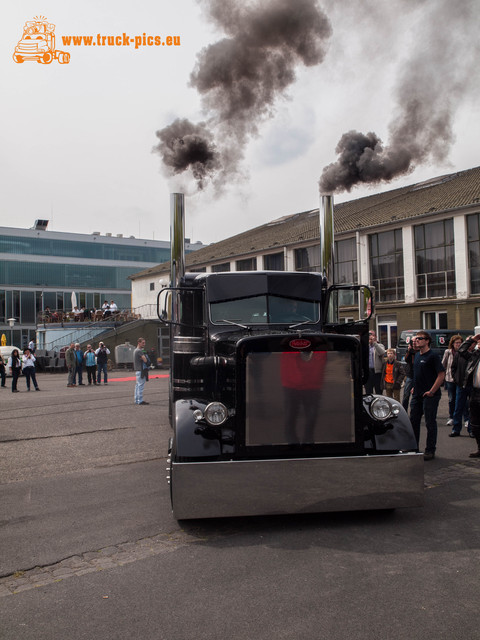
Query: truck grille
[{"x": 299, "y": 397}]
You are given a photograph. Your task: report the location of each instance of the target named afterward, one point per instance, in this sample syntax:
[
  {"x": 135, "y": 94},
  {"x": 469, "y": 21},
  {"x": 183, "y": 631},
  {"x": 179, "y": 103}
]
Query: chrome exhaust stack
[
  {"x": 177, "y": 238},
  {"x": 177, "y": 248},
  {"x": 327, "y": 243}
]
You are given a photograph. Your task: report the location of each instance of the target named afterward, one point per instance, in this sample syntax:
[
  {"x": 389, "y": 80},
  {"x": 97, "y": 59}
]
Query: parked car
[{"x": 440, "y": 339}]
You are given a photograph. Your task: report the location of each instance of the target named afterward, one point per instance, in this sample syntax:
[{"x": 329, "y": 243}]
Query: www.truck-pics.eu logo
[{"x": 37, "y": 43}]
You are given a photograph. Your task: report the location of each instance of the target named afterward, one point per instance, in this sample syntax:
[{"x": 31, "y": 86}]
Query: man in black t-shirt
[{"x": 428, "y": 377}]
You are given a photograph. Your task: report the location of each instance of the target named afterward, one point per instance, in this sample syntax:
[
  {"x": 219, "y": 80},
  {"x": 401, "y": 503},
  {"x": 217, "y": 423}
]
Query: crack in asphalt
[
  {"x": 93, "y": 561},
  {"x": 64, "y": 435}
]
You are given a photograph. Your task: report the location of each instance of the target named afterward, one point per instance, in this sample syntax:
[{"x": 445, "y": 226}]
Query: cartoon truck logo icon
[{"x": 38, "y": 43}]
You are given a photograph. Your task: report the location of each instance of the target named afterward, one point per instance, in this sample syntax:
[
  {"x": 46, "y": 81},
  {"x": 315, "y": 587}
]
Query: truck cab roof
[{"x": 242, "y": 284}]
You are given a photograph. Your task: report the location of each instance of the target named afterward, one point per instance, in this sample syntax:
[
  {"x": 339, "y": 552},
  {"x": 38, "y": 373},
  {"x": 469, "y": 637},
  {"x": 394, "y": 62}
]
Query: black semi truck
[{"x": 266, "y": 394}]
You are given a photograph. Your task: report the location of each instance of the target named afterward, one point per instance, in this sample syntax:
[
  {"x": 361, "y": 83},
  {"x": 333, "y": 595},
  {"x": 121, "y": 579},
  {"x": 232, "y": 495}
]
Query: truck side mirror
[
  {"x": 164, "y": 305},
  {"x": 339, "y": 296},
  {"x": 365, "y": 302}
]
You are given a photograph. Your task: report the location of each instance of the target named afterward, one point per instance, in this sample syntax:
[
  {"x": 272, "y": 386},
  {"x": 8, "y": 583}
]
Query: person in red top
[
  {"x": 392, "y": 375},
  {"x": 302, "y": 375}
]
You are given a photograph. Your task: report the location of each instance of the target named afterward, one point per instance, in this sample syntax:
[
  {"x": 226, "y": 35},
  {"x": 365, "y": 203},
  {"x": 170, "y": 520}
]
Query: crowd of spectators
[{"x": 108, "y": 311}]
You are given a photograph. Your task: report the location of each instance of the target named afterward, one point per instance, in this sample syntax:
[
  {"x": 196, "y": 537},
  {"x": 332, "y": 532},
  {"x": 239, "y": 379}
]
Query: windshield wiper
[
  {"x": 294, "y": 326},
  {"x": 236, "y": 324}
]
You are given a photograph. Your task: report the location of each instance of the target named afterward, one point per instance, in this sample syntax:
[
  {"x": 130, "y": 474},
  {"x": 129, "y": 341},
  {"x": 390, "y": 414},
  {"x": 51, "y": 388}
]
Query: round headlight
[
  {"x": 215, "y": 413},
  {"x": 381, "y": 409},
  {"x": 198, "y": 415}
]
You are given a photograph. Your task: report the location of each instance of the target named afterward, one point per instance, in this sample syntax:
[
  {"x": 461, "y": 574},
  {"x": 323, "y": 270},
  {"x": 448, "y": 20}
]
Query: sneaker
[
  {"x": 475, "y": 454},
  {"x": 37, "y": 389},
  {"x": 143, "y": 402},
  {"x": 428, "y": 455},
  {"x": 454, "y": 434},
  {"x": 449, "y": 422}
]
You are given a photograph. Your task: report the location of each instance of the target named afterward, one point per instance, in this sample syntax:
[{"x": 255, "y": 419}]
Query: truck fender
[
  {"x": 400, "y": 435},
  {"x": 188, "y": 442}
]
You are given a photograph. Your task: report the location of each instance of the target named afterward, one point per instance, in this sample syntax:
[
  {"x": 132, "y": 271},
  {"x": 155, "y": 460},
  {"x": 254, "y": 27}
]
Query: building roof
[{"x": 440, "y": 194}]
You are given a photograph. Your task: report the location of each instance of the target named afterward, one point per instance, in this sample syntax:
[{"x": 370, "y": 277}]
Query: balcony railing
[{"x": 61, "y": 317}]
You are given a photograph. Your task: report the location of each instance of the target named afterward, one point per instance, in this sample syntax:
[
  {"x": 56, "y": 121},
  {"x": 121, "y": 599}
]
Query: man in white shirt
[{"x": 28, "y": 362}]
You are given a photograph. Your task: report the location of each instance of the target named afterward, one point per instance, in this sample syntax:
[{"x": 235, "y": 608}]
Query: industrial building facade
[
  {"x": 40, "y": 269},
  {"x": 418, "y": 246}
]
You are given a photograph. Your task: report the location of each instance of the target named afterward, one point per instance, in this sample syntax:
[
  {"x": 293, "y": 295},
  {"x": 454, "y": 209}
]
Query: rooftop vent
[{"x": 40, "y": 225}]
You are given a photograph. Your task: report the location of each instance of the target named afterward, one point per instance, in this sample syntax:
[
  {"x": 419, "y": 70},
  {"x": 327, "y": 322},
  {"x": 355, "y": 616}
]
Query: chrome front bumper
[{"x": 300, "y": 485}]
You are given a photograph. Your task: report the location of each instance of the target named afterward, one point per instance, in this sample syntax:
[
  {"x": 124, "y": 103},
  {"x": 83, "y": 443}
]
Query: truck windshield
[{"x": 266, "y": 309}]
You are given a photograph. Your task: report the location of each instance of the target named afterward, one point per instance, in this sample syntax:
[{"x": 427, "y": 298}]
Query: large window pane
[
  {"x": 473, "y": 227},
  {"x": 274, "y": 262},
  {"x": 2, "y": 307},
  {"x": 27, "y": 307},
  {"x": 218, "y": 268},
  {"x": 249, "y": 264},
  {"x": 78, "y": 249},
  {"x": 50, "y": 300},
  {"x": 64, "y": 275},
  {"x": 435, "y": 261},
  {"x": 386, "y": 265},
  {"x": 307, "y": 258},
  {"x": 346, "y": 261}
]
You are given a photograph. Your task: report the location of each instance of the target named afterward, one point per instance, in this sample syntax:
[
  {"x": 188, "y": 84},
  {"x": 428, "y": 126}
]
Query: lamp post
[{"x": 11, "y": 322}]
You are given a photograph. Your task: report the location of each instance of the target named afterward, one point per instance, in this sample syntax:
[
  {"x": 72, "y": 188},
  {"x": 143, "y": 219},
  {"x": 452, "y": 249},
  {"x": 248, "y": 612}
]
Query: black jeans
[
  {"x": 15, "y": 376},
  {"x": 427, "y": 406},
  {"x": 91, "y": 373},
  {"x": 407, "y": 392},
  {"x": 474, "y": 423},
  {"x": 374, "y": 382},
  {"x": 29, "y": 373}
]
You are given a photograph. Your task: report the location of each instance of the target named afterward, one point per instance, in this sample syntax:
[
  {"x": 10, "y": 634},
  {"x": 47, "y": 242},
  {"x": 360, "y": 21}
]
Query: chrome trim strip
[{"x": 301, "y": 485}]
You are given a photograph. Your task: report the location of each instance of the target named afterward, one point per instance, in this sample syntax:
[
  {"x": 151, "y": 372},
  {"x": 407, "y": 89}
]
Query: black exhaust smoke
[
  {"x": 239, "y": 78},
  {"x": 434, "y": 82}
]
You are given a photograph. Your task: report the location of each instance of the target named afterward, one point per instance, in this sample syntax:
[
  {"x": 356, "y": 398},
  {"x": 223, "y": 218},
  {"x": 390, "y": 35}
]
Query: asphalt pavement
[{"x": 89, "y": 547}]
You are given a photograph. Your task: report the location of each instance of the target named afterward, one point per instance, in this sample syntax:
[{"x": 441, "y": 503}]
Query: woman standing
[
  {"x": 447, "y": 361},
  {"x": 470, "y": 350},
  {"x": 15, "y": 365},
  {"x": 3, "y": 374},
  {"x": 28, "y": 360}
]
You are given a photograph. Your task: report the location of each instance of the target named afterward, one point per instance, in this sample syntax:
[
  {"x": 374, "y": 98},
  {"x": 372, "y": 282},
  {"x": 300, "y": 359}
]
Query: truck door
[{"x": 341, "y": 295}]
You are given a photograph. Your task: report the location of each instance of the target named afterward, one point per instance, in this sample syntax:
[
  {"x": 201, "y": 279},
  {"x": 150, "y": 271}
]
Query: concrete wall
[{"x": 130, "y": 332}]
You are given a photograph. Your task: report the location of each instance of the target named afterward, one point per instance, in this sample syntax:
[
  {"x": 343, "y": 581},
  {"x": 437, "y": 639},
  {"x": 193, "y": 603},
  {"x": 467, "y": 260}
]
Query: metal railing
[
  {"x": 67, "y": 318},
  {"x": 146, "y": 311}
]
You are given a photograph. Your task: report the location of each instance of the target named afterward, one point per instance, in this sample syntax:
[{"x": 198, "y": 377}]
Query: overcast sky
[{"x": 76, "y": 139}]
